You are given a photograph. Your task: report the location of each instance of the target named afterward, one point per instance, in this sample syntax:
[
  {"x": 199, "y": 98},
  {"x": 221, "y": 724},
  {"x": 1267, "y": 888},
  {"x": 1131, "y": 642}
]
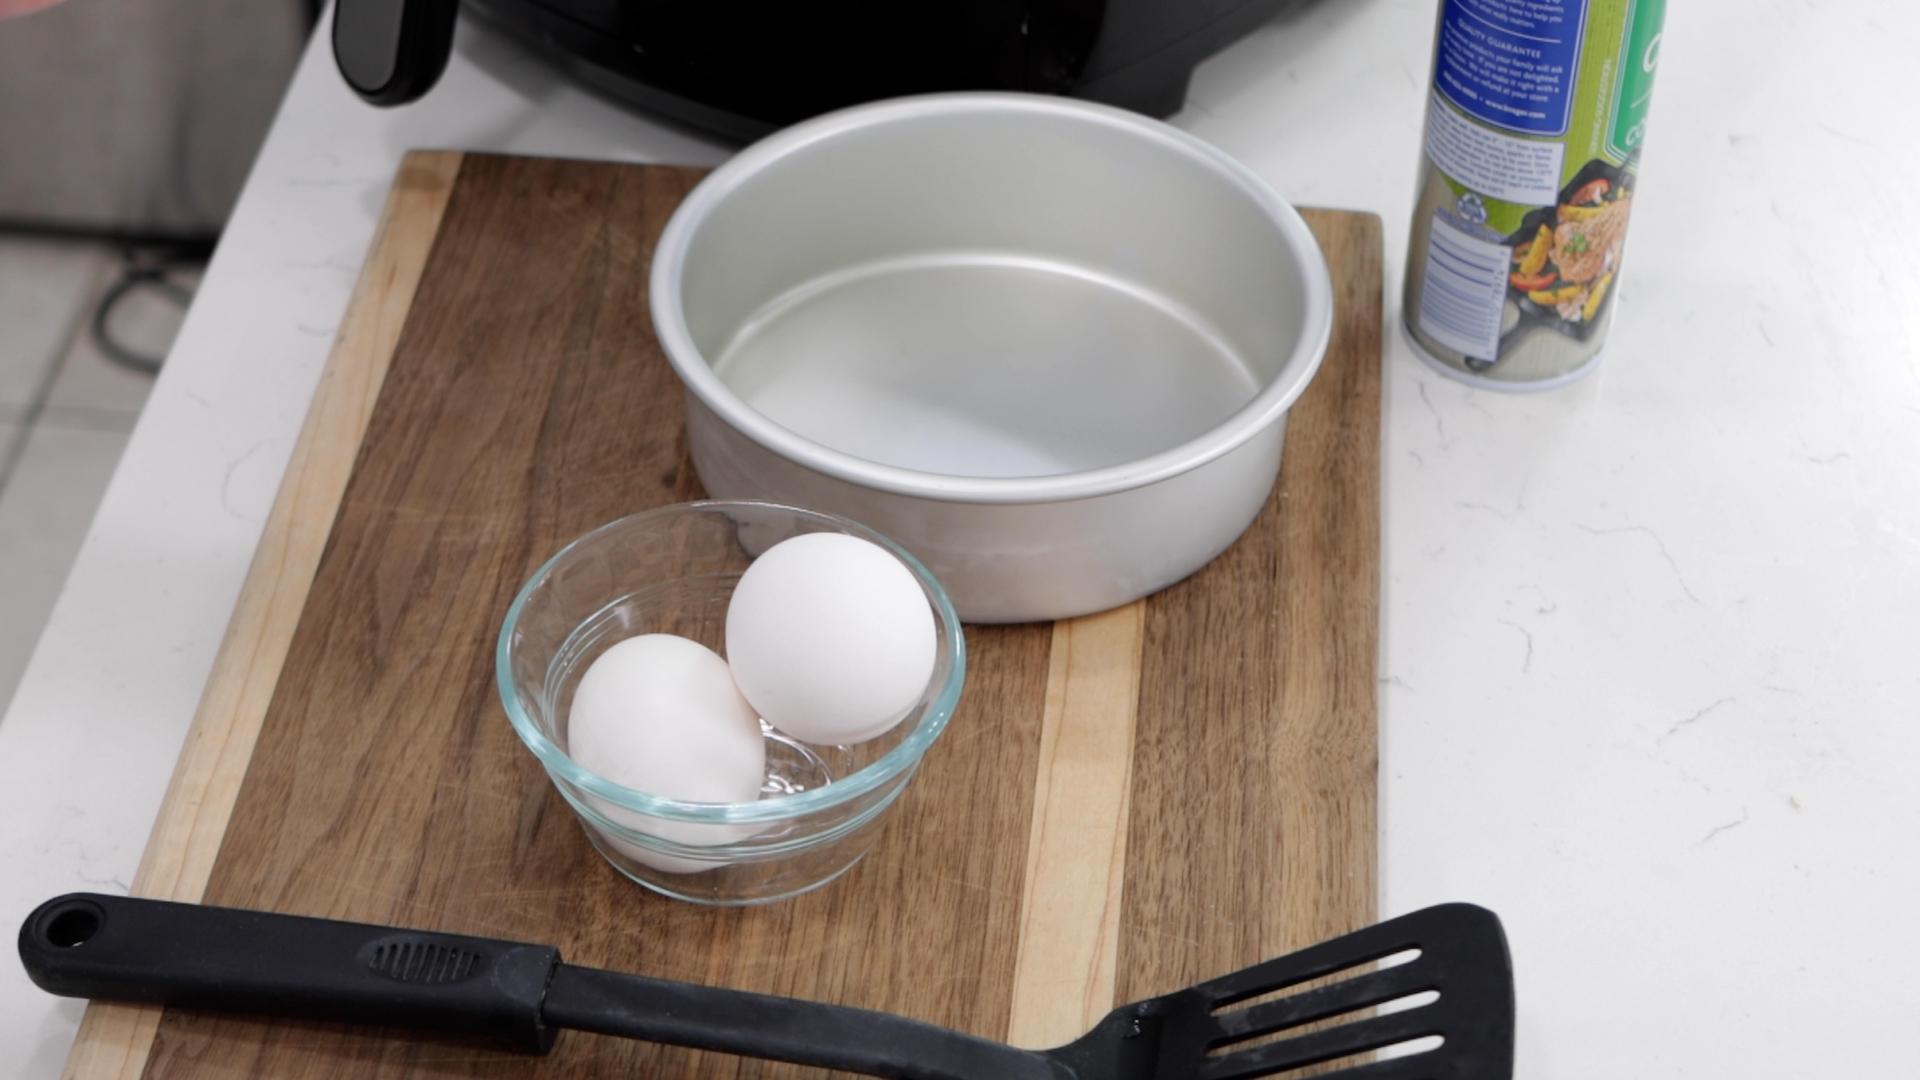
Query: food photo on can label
[{"x": 1567, "y": 263}]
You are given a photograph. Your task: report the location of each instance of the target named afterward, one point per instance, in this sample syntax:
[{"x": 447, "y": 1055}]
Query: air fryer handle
[
  {"x": 392, "y": 51},
  {"x": 119, "y": 948}
]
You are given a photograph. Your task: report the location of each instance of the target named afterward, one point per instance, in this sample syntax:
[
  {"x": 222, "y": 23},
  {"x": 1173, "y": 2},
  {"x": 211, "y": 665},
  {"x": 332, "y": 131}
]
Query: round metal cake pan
[{"x": 1046, "y": 345}]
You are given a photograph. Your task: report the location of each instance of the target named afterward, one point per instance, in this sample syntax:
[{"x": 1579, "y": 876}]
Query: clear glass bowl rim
[{"x": 931, "y": 721}]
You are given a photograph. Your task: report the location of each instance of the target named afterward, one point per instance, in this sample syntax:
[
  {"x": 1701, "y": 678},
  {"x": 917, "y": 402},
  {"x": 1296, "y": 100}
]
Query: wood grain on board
[
  {"x": 1216, "y": 740},
  {"x": 1255, "y": 752}
]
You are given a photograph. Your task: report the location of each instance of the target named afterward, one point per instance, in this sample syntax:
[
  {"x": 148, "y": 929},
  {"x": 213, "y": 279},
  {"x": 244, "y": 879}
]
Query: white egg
[
  {"x": 660, "y": 714},
  {"x": 831, "y": 638}
]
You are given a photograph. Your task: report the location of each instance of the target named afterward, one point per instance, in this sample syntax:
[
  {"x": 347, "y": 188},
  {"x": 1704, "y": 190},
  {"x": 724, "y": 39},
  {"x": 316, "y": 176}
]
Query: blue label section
[{"x": 1511, "y": 62}]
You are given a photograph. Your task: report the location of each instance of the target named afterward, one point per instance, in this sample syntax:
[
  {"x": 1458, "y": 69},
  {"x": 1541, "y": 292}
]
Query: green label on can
[{"x": 1639, "y": 57}]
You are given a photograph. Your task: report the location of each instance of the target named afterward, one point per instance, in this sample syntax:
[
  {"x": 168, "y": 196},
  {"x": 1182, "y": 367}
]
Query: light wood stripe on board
[
  {"x": 1064, "y": 974},
  {"x": 115, "y": 1040}
]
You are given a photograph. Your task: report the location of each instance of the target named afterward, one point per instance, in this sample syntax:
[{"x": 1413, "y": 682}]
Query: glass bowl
[{"x": 672, "y": 571}]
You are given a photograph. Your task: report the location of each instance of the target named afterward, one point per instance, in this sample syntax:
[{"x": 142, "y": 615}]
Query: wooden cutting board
[{"x": 1124, "y": 803}]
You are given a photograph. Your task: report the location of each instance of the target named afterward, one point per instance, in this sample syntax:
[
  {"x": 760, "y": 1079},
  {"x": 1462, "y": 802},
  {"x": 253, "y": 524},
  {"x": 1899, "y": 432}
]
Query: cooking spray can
[{"x": 1534, "y": 122}]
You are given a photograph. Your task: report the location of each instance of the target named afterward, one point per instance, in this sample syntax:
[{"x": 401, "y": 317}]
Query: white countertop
[{"x": 1650, "y": 642}]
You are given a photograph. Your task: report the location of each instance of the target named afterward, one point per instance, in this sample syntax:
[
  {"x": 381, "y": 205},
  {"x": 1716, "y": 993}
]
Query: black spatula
[{"x": 124, "y": 949}]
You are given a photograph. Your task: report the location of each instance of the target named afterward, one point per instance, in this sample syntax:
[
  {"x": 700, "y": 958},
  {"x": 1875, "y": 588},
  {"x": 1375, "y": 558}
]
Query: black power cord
[
  {"x": 151, "y": 260},
  {"x": 149, "y": 270}
]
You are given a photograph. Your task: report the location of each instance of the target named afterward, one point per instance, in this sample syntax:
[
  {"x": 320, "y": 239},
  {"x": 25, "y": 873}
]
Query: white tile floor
[{"x": 65, "y": 414}]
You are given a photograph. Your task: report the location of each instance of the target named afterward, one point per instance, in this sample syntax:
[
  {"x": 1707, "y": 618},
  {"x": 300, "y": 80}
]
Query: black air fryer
[{"x": 742, "y": 69}]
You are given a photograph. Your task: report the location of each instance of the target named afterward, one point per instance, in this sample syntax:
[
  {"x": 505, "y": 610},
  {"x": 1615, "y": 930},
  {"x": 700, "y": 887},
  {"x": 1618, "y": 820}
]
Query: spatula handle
[
  {"x": 784, "y": 1029},
  {"x": 127, "y": 949}
]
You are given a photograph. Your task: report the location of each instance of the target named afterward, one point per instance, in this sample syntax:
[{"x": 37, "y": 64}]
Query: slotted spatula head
[{"x": 1319, "y": 1005}]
